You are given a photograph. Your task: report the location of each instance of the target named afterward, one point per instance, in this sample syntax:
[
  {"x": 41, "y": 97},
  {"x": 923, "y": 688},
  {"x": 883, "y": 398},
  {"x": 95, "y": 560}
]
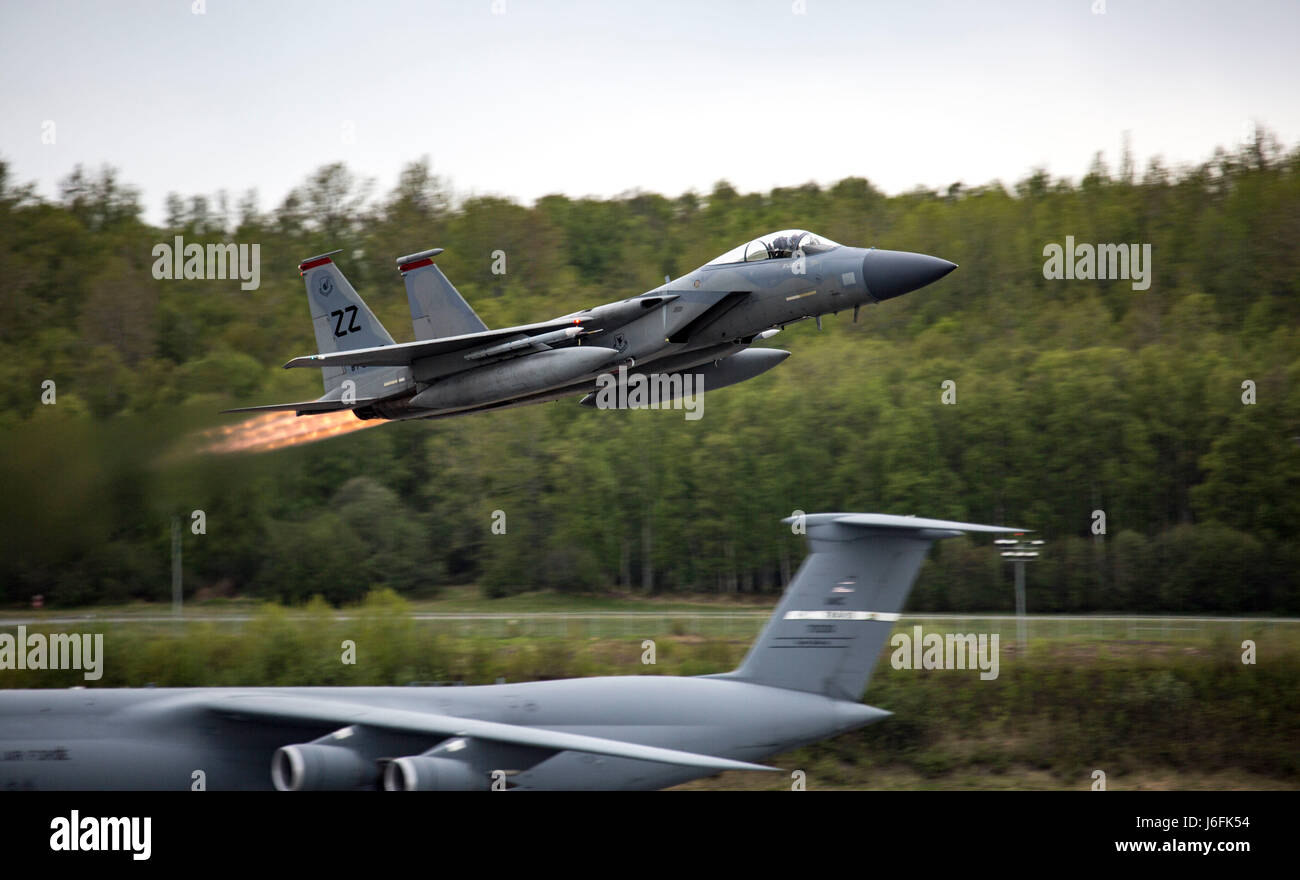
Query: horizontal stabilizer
[
  {"x": 892, "y": 521},
  {"x": 304, "y": 407}
]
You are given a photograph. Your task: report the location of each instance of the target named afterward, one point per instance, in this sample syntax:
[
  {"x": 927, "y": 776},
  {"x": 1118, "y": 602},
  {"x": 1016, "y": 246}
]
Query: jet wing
[
  {"x": 284, "y": 707},
  {"x": 407, "y": 352}
]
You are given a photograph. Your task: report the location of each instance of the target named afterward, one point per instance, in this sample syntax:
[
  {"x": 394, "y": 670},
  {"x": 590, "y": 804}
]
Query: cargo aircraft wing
[{"x": 286, "y": 708}]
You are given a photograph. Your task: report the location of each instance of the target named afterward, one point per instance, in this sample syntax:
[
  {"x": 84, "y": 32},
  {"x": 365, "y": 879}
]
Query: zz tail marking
[{"x": 337, "y": 315}]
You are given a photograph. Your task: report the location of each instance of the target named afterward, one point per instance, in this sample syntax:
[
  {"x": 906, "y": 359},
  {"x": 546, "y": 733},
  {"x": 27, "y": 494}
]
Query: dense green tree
[{"x": 1174, "y": 411}]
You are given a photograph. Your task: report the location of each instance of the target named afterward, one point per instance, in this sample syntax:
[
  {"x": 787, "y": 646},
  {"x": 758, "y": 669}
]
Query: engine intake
[
  {"x": 422, "y": 773},
  {"x": 312, "y": 767}
]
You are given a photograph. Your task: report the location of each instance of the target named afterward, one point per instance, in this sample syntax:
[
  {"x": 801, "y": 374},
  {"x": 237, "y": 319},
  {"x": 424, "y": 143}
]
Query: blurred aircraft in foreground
[
  {"x": 684, "y": 337},
  {"x": 801, "y": 681}
]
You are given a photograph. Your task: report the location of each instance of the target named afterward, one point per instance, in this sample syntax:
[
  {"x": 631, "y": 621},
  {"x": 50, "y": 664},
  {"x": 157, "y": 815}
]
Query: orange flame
[{"x": 277, "y": 430}]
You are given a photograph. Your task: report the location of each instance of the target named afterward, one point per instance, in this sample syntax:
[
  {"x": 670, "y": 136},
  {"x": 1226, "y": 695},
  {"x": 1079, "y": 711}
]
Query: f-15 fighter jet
[{"x": 700, "y": 325}]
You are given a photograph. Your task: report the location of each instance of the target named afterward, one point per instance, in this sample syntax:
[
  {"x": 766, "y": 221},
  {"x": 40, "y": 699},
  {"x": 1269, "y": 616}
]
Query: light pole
[
  {"x": 176, "y": 566},
  {"x": 1018, "y": 551}
]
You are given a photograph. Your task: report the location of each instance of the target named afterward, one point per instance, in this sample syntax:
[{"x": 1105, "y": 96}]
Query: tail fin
[
  {"x": 837, "y": 613},
  {"x": 437, "y": 308},
  {"x": 342, "y": 321}
]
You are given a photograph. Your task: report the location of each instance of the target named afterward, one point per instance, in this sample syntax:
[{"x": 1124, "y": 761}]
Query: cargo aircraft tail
[{"x": 836, "y": 615}]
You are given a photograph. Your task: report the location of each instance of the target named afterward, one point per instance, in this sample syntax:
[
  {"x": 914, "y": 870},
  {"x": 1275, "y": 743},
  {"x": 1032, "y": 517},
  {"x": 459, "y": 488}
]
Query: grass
[
  {"x": 1173, "y": 707},
  {"x": 451, "y": 600},
  {"x": 850, "y": 777}
]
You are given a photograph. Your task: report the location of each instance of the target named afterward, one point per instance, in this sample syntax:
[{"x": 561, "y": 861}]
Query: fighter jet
[
  {"x": 700, "y": 327},
  {"x": 801, "y": 681}
]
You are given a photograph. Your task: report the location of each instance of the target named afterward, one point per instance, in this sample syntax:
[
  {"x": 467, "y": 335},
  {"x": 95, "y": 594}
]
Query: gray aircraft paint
[
  {"x": 437, "y": 308},
  {"x": 792, "y": 689},
  {"x": 507, "y": 379},
  {"x": 719, "y": 307},
  {"x": 343, "y": 322},
  {"x": 711, "y": 375}
]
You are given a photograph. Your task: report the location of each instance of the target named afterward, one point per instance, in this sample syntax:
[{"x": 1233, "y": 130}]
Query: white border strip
[{"x": 841, "y": 615}]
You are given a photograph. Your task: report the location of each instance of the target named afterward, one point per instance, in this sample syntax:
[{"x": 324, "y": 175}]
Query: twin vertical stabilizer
[{"x": 437, "y": 308}]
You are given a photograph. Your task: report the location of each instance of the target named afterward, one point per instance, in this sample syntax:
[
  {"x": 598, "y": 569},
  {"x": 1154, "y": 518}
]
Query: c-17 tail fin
[
  {"x": 437, "y": 308},
  {"x": 833, "y": 621}
]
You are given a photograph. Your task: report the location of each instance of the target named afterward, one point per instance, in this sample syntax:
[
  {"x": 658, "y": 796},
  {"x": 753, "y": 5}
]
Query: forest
[{"x": 1151, "y": 437}]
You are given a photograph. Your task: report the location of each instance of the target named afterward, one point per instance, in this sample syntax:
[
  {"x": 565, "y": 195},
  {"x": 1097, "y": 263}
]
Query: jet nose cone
[{"x": 893, "y": 273}]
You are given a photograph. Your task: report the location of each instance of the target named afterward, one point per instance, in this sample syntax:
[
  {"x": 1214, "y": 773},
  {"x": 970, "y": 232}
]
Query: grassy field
[
  {"x": 463, "y": 611},
  {"x": 1154, "y": 704},
  {"x": 451, "y": 600},
  {"x": 853, "y": 777}
]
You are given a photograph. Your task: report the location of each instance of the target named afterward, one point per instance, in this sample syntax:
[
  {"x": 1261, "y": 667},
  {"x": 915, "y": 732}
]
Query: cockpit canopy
[{"x": 775, "y": 246}]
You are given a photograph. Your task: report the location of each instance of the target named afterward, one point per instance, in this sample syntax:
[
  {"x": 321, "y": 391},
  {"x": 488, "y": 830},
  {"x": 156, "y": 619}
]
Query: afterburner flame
[{"x": 277, "y": 430}]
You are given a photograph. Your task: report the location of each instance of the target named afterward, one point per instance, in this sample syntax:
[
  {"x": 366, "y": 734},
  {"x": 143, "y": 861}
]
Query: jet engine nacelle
[
  {"x": 501, "y": 381},
  {"x": 719, "y": 374},
  {"x": 422, "y": 773},
  {"x": 312, "y": 767}
]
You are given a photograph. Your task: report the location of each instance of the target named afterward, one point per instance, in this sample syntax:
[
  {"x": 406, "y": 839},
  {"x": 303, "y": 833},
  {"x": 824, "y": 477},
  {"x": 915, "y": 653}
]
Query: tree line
[{"x": 997, "y": 395}]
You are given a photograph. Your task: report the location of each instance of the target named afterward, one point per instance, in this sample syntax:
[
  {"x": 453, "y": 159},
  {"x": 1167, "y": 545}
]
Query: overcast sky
[{"x": 598, "y": 98}]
